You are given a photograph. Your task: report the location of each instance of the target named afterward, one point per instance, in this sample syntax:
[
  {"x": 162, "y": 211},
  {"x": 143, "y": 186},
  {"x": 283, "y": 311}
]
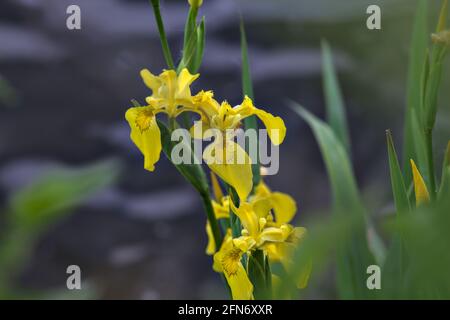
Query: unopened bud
[{"x": 442, "y": 37}]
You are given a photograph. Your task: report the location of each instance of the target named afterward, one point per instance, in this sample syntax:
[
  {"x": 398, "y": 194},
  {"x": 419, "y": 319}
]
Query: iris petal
[{"x": 145, "y": 134}]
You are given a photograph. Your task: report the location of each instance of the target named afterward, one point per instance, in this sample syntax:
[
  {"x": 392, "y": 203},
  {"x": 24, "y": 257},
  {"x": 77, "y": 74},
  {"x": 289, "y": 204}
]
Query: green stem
[
  {"x": 212, "y": 219},
  {"x": 430, "y": 160},
  {"x": 162, "y": 34}
]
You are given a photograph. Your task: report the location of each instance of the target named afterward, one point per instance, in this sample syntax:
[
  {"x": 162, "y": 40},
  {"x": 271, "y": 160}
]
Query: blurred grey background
[{"x": 144, "y": 238}]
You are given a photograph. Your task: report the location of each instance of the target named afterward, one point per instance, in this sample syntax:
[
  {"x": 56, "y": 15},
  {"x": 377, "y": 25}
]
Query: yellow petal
[
  {"x": 228, "y": 261},
  {"x": 211, "y": 247},
  {"x": 284, "y": 207},
  {"x": 232, "y": 164},
  {"x": 420, "y": 189},
  {"x": 240, "y": 285},
  {"x": 218, "y": 194},
  {"x": 185, "y": 79},
  {"x": 272, "y": 234},
  {"x": 145, "y": 134},
  {"x": 274, "y": 125},
  {"x": 221, "y": 210},
  {"x": 247, "y": 216},
  {"x": 262, "y": 190},
  {"x": 170, "y": 84},
  {"x": 150, "y": 80}
]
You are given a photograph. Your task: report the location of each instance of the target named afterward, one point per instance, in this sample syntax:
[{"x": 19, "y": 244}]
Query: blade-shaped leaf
[
  {"x": 354, "y": 255},
  {"x": 247, "y": 89},
  {"x": 402, "y": 204},
  {"x": 417, "y": 56},
  {"x": 336, "y": 116}
]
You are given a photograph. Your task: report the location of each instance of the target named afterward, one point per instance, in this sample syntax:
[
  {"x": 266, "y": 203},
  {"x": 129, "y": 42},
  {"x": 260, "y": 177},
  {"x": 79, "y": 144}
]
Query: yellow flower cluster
[
  {"x": 171, "y": 94},
  {"x": 265, "y": 216}
]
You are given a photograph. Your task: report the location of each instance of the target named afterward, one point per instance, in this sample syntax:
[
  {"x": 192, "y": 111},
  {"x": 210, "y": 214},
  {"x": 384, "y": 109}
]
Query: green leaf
[
  {"x": 435, "y": 76},
  {"x": 57, "y": 192},
  {"x": 393, "y": 268},
  {"x": 257, "y": 275},
  {"x": 42, "y": 203},
  {"x": 162, "y": 34},
  {"x": 401, "y": 200},
  {"x": 336, "y": 116},
  {"x": 201, "y": 35},
  {"x": 247, "y": 89},
  {"x": 354, "y": 255},
  {"x": 194, "y": 174},
  {"x": 417, "y": 55}
]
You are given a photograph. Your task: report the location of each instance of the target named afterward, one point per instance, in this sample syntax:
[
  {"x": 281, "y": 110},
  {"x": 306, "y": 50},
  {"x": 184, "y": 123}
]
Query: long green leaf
[
  {"x": 247, "y": 89},
  {"x": 354, "y": 255},
  {"x": 336, "y": 116},
  {"x": 417, "y": 56},
  {"x": 401, "y": 200}
]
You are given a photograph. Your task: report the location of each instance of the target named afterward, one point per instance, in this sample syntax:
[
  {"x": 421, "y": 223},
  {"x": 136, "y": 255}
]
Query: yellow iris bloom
[
  {"x": 223, "y": 154},
  {"x": 276, "y": 238},
  {"x": 262, "y": 202},
  {"x": 171, "y": 94}
]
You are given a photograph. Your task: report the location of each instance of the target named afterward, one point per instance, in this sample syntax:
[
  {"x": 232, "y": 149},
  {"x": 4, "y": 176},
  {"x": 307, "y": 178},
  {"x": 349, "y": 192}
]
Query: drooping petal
[
  {"x": 274, "y": 125},
  {"x": 240, "y": 284},
  {"x": 232, "y": 164},
  {"x": 145, "y": 134},
  {"x": 228, "y": 261},
  {"x": 420, "y": 188}
]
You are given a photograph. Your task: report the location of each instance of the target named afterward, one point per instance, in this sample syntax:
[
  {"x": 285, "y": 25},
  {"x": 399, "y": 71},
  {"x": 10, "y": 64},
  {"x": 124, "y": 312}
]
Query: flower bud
[{"x": 442, "y": 37}]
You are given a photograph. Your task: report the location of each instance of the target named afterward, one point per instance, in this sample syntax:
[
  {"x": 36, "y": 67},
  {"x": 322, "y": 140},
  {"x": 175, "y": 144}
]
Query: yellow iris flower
[
  {"x": 223, "y": 154},
  {"x": 260, "y": 231},
  {"x": 171, "y": 94},
  {"x": 264, "y": 200}
]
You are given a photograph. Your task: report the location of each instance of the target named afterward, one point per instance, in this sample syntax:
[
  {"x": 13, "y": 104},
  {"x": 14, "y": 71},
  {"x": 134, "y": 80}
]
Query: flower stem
[{"x": 162, "y": 34}]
